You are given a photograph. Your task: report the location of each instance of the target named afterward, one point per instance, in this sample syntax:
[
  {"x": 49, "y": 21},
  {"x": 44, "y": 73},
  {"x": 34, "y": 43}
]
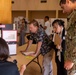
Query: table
[{"x": 22, "y": 59}]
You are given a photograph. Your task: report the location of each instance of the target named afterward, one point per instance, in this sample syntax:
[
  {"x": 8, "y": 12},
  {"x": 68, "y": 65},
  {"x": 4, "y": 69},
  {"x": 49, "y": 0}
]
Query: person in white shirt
[{"x": 47, "y": 26}]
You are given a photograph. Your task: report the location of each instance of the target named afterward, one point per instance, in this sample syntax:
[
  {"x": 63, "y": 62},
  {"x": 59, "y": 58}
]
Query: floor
[{"x": 33, "y": 68}]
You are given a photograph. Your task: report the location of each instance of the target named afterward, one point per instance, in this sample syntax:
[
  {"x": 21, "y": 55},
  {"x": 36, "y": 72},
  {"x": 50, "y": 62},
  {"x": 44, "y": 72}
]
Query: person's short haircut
[
  {"x": 23, "y": 19},
  {"x": 4, "y": 50},
  {"x": 64, "y": 1},
  {"x": 47, "y": 17},
  {"x": 34, "y": 22},
  {"x": 60, "y": 22}
]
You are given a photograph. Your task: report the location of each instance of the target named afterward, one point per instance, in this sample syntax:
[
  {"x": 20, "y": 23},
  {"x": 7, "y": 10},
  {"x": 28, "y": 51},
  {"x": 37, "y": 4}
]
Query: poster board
[
  {"x": 12, "y": 49},
  {"x": 9, "y": 35},
  {"x": 18, "y": 23}
]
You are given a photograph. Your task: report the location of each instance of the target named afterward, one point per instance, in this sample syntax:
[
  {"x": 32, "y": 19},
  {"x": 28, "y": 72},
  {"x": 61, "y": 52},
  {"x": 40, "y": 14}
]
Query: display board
[
  {"x": 0, "y": 32},
  {"x": 12, "y": 49},
  {"x": 9, "y": 35},
  {"x": 18, "y": 22}
]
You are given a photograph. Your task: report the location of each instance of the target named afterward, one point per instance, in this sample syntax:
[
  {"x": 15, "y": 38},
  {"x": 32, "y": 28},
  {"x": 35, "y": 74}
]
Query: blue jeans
[
  {"x": 47, "y": 63},
  {"x": 22, "y": 38}
]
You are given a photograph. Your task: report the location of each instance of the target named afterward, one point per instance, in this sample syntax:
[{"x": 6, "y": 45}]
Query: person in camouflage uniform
[{"x": 69, "y": 6}]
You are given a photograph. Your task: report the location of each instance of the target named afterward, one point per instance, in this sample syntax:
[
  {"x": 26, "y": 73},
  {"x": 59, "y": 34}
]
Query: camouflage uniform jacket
[{"x": 70, "y": 53}]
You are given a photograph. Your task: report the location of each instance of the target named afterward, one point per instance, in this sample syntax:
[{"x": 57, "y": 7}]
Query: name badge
[{"x": 63, "y": 37}]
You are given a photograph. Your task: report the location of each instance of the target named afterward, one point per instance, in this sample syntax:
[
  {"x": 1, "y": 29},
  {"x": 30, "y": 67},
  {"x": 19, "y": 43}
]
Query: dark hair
[
  {"x": 47, "y": 17},
  {"x": 64, "y": 1},
  {"x": 60, "y": 22},
  {"x": 34, "y": 22},
  {"x": 4, "y": 50},
  {"x": 24, "y": 20}
]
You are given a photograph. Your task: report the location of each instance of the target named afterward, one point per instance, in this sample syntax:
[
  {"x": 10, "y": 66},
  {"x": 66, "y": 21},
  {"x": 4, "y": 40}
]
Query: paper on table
[
  {"x": 29, "y": 57},
  {"x": 12, "y": 49},
  {"x": 27, "y": 53}
]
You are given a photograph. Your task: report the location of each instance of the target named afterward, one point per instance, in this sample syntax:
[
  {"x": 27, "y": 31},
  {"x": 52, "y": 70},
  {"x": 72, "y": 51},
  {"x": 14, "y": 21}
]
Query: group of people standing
[
  {"x": 45, "y": 45},
  {"x": 65, "y": 52}
]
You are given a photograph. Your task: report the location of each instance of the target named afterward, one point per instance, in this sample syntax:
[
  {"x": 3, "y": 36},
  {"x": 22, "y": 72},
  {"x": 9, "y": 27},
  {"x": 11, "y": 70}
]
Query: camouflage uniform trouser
[{"x": 72, "y": 71}]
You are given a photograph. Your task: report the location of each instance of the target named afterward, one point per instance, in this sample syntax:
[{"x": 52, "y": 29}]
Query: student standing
[
  {"x": 58, "y": 28},
  {"x": 47, "y": 26},
  {"x": 23, "y": 30},
  {"x": 69, "y": 7}
]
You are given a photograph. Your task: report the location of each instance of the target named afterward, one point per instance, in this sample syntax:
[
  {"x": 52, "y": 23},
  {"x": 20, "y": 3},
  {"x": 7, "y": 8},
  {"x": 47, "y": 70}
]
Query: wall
[
  {"x": 18, "y": 13},
  {"x": 35, "y": 5},
  {"x": 41, "y": 14},
  {"x": 20, "y": 5},
  {"x": 5, "y": 11},
  {"x": 36, "y": 9},
  {"x": 61, "y": 15}
]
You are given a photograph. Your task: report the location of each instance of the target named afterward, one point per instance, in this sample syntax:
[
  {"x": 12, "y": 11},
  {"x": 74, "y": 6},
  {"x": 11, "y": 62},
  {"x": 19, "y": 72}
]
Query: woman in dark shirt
[
  {"x": 23, "y": 30},
  {"x": 58, "y": 26},
  {"x": 6, "y": 67}
]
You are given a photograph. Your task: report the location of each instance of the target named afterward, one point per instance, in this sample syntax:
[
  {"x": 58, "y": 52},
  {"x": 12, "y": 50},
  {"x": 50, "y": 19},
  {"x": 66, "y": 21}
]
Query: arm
[
  {"x": 38, "y": 48},
  {"x": 28, "y": 45},
  {"x": 22, "y": 69},
  {"x": 69, "y": 63},
  {"x": 45, "y": 27},
  {"x": 70, "y": 54}
]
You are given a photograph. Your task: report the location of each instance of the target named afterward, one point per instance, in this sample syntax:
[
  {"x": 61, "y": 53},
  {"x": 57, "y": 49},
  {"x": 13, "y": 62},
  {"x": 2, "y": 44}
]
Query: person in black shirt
[
  {"x": 58, "y": 27},
  {"x": 23, "y": 30},
  {"x": 7, "y": 67}
]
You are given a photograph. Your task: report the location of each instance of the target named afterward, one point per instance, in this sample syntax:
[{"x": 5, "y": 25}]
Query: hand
[
  {"x": 68, "y": 65},
  {"x": 58, "y": 47},
  {"x": 22, "y": 69},
  {"x": 32, "y": 54}
]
